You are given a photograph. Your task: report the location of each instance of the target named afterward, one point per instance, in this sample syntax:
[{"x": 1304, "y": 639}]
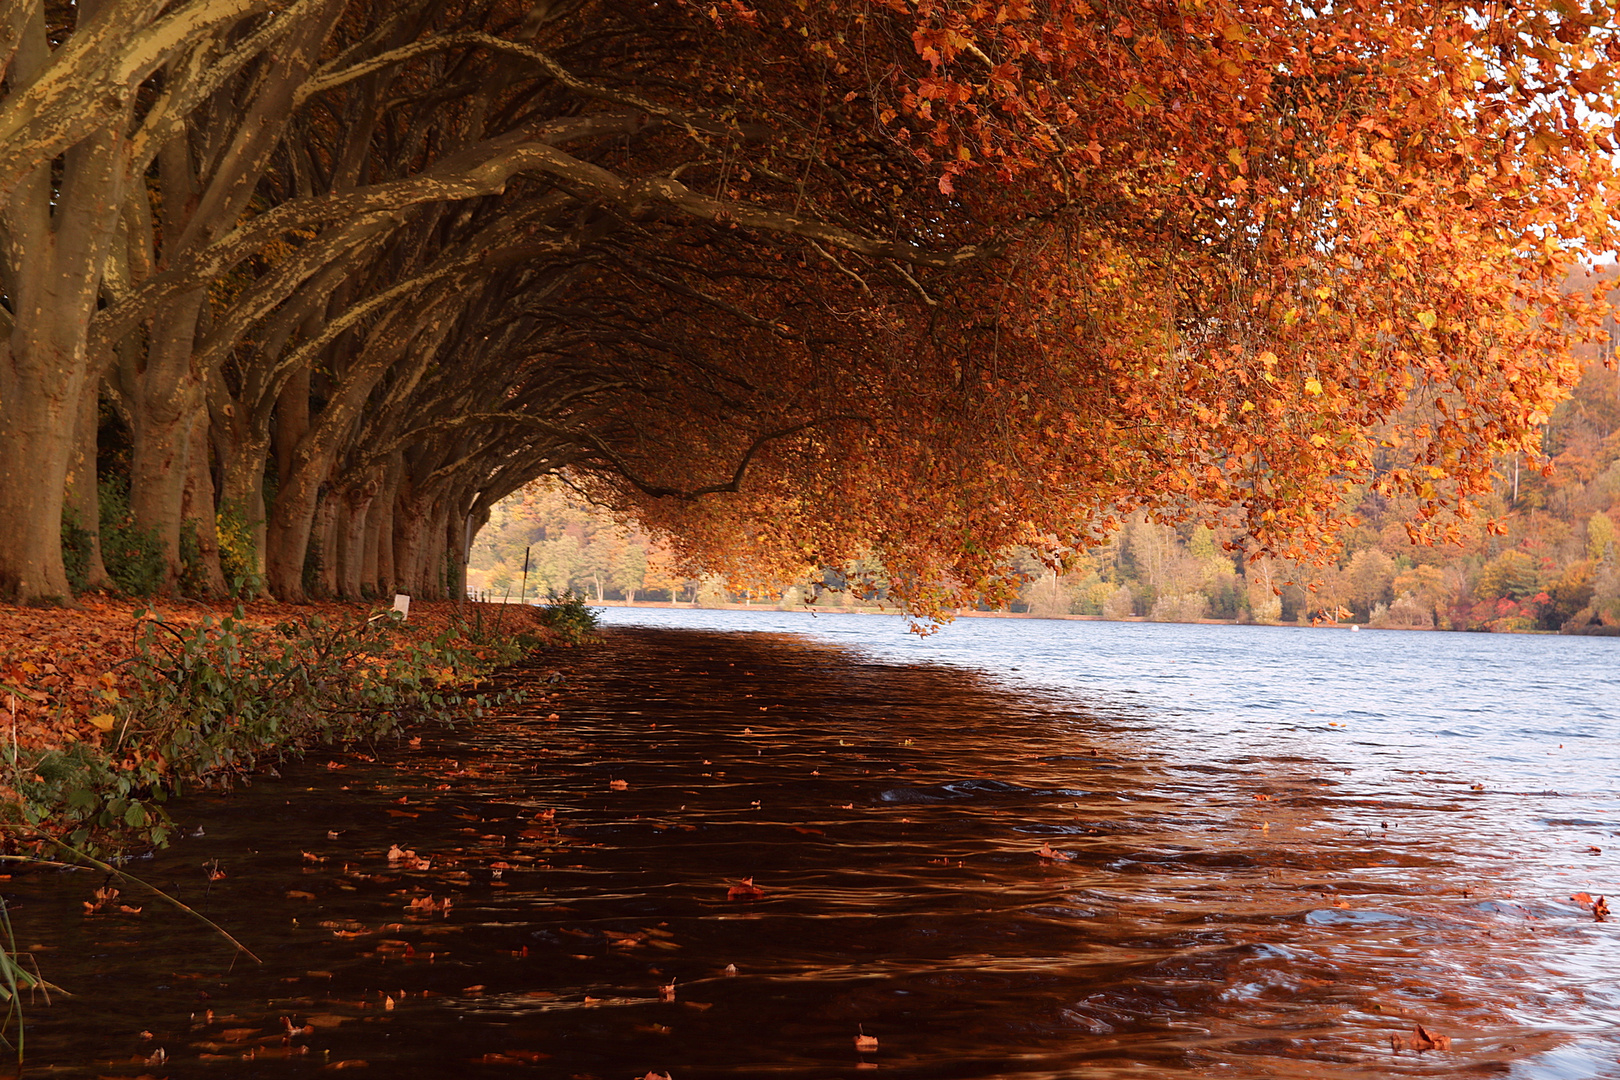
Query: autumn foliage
[
  {"x": 791, "y": 283},
  {"x": 1254, "y": 256}
]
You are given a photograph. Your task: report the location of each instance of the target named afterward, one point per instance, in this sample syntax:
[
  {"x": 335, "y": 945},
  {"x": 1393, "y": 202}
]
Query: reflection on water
[{"x": 1034, "y": 873}]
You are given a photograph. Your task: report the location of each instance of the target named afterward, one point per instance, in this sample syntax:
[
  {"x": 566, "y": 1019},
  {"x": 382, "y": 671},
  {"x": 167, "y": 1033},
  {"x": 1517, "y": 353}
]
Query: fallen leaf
[
  {"x": 863, "y": 1041},
  {"x": 1046, "y": 851},
  {"x": 427, "y": 905},
  {"x": 103, "y": 899},
  {"x": 745, "y": 890},
  {"x": 619, "y": 785},
  {"x": 1597, "y": 905},
  {"x": 513, "y": 1057},
  {"x": 1420, "y": 1040}
]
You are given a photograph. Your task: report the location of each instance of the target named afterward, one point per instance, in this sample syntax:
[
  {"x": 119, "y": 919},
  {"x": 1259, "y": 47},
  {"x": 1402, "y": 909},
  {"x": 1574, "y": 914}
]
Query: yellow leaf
[
  {"x": 104, "y": 721},
  {"x": 1313, "y": 387},
  {"x": 1429, "y": 319}
]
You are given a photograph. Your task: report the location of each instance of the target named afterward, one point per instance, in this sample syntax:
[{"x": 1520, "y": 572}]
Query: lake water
[{"x": 1016, "y": 848}]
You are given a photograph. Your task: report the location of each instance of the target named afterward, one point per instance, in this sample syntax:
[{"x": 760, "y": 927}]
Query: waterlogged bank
[
  {"x": 114, "y": 708},
  {"x": 720, "y": 854}
]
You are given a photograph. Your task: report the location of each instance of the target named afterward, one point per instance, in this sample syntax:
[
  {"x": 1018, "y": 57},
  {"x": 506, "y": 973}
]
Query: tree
[
  {"x": 788, "y": 283},
  {"x": 664, "y": 574},
  {"x": 627, "y": 567},
  {"x": 1600, "y": 536},
  {"x": 1371, "y": 576},
  {"x": 1511, "y": 575}
]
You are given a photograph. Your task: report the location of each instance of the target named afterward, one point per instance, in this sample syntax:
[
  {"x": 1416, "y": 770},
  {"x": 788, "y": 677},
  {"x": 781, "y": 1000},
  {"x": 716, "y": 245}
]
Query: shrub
[
  {"x": 193, "y": 573},
  {"x": 77, "y": 544},
  {"x": 1120, "y": 604},
  {"x": 133, "y": 556},
  {"x": 567, "y": 616},
  {"x": 238, "y": 554}
]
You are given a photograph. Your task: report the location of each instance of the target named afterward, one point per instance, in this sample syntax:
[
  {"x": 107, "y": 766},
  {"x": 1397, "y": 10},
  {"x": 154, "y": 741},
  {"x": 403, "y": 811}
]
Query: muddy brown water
[{"x": 987, "y": 883}]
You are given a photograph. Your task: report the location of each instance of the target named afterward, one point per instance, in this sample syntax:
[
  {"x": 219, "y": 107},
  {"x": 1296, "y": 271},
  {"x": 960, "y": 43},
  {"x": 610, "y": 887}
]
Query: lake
[{"x": 740, "y": 843}]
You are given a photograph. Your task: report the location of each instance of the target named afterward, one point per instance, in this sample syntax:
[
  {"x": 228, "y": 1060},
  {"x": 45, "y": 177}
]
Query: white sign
[{"x": 402, "y": 604}]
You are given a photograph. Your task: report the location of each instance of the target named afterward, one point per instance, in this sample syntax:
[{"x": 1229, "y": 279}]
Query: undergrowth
[
  {"x": 567, "y": 616},
  {"x": 219, "y": 698}
]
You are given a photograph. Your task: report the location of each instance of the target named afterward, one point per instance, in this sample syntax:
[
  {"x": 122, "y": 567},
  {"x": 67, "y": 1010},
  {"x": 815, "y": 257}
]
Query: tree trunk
[
  {"x": 197, "y": 512},
  {"x": 292, "y": 421},
  {"x": 39, "y": 443},
  {"x": 292, "y": 516},
  {"x": 241, "y": 448},
  {"x": 409, "y": 540},
  {"x": 353, "y": 508},
  {"x": 166, "y": 405},
  {"x": 385, "y": 575},
  {"x": 369, "y": 548},
  {"x": 324, "y": 537},
  {"x": 53, "y": 272},
  {"x": 433, "y": 584},
  {"x": 82, "y": 496}
]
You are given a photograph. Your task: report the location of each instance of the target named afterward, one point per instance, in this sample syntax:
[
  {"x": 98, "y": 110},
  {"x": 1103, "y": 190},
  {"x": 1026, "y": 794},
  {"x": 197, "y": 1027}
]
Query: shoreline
[
  {"x": 808, "y": 609},
  {"x": 812, "y": 609}
]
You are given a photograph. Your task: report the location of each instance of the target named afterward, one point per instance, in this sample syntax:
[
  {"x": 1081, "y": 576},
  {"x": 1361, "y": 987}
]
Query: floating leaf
[{"x": 745, "y": 890}]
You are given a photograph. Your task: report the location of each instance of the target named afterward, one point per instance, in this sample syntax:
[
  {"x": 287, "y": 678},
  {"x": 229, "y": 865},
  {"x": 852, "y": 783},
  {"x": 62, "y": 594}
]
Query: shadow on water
[{"x": 989, "y": 884}]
